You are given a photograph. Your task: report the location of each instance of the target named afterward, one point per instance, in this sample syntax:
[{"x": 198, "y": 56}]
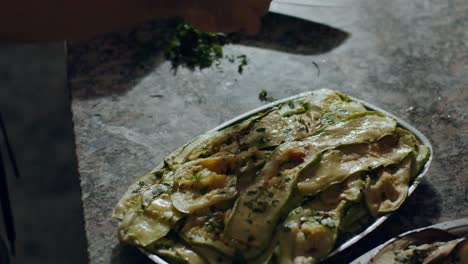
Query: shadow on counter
[{"x": 113, "y": 63}]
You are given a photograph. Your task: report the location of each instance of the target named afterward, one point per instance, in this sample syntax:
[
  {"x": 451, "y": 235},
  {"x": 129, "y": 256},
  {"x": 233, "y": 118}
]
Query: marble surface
[{"x": 408, "y": 57}]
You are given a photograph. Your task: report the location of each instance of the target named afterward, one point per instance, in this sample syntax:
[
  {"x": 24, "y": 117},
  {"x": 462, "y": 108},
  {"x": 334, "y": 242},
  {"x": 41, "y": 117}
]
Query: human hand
[{"x": 225, "y": 15}]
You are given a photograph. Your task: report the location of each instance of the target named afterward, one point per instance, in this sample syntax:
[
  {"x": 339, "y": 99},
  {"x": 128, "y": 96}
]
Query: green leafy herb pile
[
  {"x": 194, "y": 48},
  {"x": 183, "y": 45}
]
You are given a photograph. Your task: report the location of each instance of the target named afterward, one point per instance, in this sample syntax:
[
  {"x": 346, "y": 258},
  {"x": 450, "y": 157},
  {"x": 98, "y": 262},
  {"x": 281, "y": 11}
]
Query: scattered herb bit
[
  {"x": 196, "y": 177},
  {"x": 317, "y": 67},
  {"x": 242, "y": 64},
  {"x": 261, "y": 130},
  {"x": 140, "y": 186},
  {"x": 306, "y": 106},
  {"x": 158, "y": 190},
  {"x": 323, "y": 220},
  {"x": 209, "y": 228},
  {"x": 344, "y": 97},
  {"x": 327, "y": 120},
  {"x": 263, "y": 96},
  {"x": 213, "y": 224},
  {"x": 261, "y": 201},
  {"x": 231, "y": 58},
  {"x": 291, "y": 104}
]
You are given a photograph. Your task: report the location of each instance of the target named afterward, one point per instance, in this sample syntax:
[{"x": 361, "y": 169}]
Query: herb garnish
[
  {"x": 183, "y": 45},
  {"x": 263, "y": 96},
  {"x": 242, "y": 64},
  {"x": 327, "y": 120}
]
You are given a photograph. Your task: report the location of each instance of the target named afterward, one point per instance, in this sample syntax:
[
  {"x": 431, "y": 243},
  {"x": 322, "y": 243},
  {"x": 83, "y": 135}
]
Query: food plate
[
  {"x": 456, "y": 227},
  {"x": 378, "y": 221}
]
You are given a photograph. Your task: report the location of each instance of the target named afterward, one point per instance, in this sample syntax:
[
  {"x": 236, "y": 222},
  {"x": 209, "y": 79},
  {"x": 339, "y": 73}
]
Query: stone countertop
[{"x": 408, "y": 57}]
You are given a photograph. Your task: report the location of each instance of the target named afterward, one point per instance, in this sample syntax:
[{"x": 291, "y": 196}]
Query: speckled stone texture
[{"x": 408, "y": 57}]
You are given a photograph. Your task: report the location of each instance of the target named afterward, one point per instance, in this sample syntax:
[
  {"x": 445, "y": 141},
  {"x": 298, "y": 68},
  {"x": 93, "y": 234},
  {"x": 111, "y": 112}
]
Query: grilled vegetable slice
[
  {"x": 300, "y": 118},
  {"x": 441, "y": 252},
  {"x": 133, "y": 195},
  {"x": 337, "y": 165},
  {"x": 321, "y": 161},
  {"x": 225, "y": 140},
  {"x": 388, "y": 187},
  {"x": 309, "y": 233},
  {"x": 207, "y": 230},
  {"x": 145, "y": 225},
  {"x": 201, "y": 184},
  {"x": 205, "y": 182},
  {"x": 258, "y": 208},
  {"x": 353, "y": 188},
  {"x": 358, "y": 128},
  {"x": 423, "y": 153},
  {"x": 176, "y": 252},
  {"x": 388, "y": 254}
]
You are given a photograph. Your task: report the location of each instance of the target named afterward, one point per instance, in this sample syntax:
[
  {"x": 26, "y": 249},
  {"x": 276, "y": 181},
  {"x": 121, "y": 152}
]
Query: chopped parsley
[
  {"x": 264, "y": 97},
  {"x": 242, "y": 64},
  {"x": 141, "y": 185},
  {"x": 261, "y": 200},
  {"x": 158, "y": 189},
  {"x": 327, "y": 120},
  {"x": 306, "y": 106},
  {"x": 196, "y": 177},
  {"x": 184, "y": 45}
]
